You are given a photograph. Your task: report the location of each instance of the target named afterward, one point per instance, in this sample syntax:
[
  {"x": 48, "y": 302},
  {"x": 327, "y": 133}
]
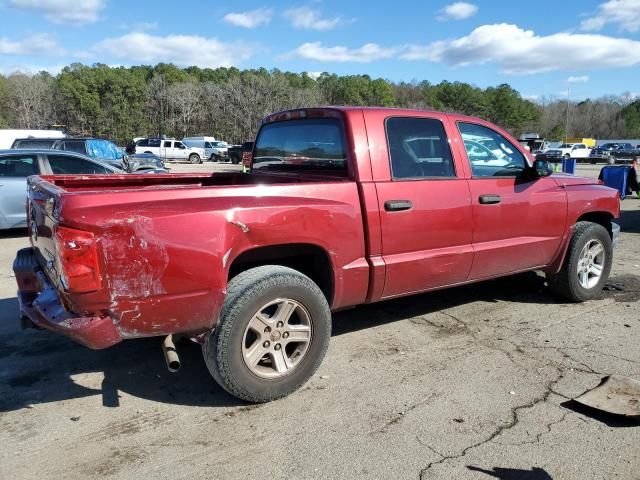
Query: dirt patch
[
  {"x": 118, "y": 459},
  {"x": 623, "y": 288}
]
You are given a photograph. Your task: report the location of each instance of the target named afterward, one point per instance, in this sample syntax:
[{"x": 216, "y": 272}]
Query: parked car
[
  {"x": 33, "y": 142},
  {"x": 614, "y": 153},
  {"x": 251, "y": 265},
  {"x": 220, "y": 151},
  {"x": 99, "y": 149},
  {"x": 17, "y": 165},
  {"x": 8, "y": 135},
  {"x": 573, "y": 150},
  {"x": 236, "y": 152},
  {"x": 170, "y": 149}
]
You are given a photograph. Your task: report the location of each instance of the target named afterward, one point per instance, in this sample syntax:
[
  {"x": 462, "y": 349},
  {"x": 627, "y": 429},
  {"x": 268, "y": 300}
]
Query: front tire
[
  {"x": 273, "y": 333},
  {"x": 586, "y": 266}
]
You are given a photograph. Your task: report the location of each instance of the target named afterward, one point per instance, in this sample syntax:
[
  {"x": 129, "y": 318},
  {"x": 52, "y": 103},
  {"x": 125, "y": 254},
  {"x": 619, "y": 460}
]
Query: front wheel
[
  {"x": 195, "y": 158},
  {"x": 273, "y": 333},
  {"x": 586, "y": 266}
]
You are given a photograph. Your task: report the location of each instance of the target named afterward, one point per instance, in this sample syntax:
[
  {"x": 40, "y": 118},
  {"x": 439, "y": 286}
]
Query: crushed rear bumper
[{"x": 41, "y": 304}]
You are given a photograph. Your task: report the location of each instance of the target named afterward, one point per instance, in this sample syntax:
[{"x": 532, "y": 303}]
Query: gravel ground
[{"x": 468, "y": 383}]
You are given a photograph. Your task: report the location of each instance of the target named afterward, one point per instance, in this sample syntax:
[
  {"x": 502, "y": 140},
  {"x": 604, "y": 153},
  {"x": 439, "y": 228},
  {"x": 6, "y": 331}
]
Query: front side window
[
  {"x": 68, "y": 165},
  {"x": 418, "y": 148},
  {"x": 491, "y": 154},
  {"x": 312, "y": 144},
  {"x": 18, "y": 166}
]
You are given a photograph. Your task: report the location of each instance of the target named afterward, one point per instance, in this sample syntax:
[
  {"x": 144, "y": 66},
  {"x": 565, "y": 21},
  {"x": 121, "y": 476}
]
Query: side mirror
[{"x": 542, "y": 168}]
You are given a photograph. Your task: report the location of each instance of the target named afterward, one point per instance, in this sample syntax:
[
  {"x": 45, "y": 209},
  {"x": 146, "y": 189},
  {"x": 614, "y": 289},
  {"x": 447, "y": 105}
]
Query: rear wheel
[
  {"x": 586, "y": 266},
  {"x": 273, "y": 333},
  {"x": 195, "y": 158}
]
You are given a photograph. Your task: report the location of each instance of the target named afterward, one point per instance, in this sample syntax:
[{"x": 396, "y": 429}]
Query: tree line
[{"x": 125, "y": 102}]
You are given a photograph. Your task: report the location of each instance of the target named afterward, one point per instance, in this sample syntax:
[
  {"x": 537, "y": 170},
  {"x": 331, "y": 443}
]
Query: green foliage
[
  {"x": 631, "y": 116},
  {"x": 121, "y": 103}
]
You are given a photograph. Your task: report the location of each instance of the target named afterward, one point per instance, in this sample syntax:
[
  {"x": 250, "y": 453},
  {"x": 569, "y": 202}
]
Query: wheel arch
[
  {"x": 309, "y": 259},
  {"x": 600, "y": 217}
]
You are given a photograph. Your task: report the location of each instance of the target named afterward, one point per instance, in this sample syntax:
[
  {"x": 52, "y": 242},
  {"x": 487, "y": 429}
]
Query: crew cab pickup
[{"x": 342, "y": 206}]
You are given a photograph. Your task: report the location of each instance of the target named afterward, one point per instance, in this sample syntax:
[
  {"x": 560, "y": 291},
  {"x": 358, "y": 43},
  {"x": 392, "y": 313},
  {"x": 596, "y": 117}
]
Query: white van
[
  {"x": 8, "y": 136},
  {"x": 171, "y": 149},
  {"x": 215, "y": 150}
]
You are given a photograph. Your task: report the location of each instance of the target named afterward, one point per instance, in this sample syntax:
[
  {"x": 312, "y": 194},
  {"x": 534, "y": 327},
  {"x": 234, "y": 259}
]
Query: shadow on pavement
[
  {"x": 14, "y": 233},
  {"x": 629, "y": 220},
  {"x": 609, "y": 419},
  {"x": 514, "y": 473}
]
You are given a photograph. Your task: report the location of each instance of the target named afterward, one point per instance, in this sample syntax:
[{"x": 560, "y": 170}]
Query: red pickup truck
[{"x": 342, "y": 206}]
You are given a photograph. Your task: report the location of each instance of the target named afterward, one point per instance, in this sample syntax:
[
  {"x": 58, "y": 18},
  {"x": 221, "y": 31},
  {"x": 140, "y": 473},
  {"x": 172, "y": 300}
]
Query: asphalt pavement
[{"x": 469, "y": 383}]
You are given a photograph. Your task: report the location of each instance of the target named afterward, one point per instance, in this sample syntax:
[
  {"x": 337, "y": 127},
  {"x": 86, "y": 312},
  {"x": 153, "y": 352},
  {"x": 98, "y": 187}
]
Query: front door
[
  {"x": 424, "y": 206},
  {"x": 518, "y": 221}
]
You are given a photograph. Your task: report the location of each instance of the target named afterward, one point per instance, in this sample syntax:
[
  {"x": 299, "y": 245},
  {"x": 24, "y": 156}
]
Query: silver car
[{"x": 17, "y": 165}]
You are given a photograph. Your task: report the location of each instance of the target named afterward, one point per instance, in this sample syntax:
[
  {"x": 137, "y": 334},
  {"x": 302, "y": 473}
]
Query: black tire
[
  {"x": 565, "y": 283},
  {"x": 611, "y": 160},
  {"x": 235, "y": 160},
  {"x": 195, "y": 158},
  {"x": 246, "y": 293}
]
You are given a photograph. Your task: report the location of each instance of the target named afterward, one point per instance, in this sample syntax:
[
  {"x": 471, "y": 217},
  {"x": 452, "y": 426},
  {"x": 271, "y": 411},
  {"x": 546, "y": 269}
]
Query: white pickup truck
[{"x": 169, "y": 149}]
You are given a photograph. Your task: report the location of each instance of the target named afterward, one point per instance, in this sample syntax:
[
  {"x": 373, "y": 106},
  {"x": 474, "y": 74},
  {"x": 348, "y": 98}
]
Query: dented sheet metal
[{"x": 615, "y": 394}]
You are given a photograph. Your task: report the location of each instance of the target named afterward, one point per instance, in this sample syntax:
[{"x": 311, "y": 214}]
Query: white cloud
[
  {"x": 64, "y": 11},
  {"x": 184, "y": 50},
  {"x": 314, "y": 75},
  {"x": 251, "y": 19},
  {"x": 365, "y": 54},
  {"x": 458, "y": 11},
  {"x": 624, "y": 13},
  {"x": 580, "y": 79},
  {"x": 30, "y": 69},
  {"x": 39, "y": 44},
  {"x": 532, "y": 97},
  {"x": 520, "y": 51},
  {"x": 309, "y": 19}
]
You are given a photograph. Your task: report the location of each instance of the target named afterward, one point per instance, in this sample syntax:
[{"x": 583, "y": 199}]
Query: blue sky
[{"x": 543, "y": 48}]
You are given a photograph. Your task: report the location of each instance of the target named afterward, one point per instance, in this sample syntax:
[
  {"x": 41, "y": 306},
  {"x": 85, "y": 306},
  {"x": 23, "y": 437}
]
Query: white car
[{"x": 170, "y": 149}]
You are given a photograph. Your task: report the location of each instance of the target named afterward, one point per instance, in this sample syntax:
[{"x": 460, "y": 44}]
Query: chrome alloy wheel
[
  {"x": 277, "y": 338},
  {"x": 591, "y": 264}
]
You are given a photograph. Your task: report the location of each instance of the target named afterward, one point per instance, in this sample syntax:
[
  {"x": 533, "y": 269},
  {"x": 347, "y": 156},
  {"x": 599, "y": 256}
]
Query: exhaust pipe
[{"x": 170, "y": 354}]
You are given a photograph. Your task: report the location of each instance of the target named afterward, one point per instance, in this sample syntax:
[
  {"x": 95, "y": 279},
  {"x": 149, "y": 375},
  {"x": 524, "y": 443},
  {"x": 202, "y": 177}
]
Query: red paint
[{"x": 165, "y": 243}]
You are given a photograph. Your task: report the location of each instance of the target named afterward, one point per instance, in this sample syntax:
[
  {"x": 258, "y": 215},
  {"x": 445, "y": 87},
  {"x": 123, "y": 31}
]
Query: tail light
[{"x": 77, "y": 260}]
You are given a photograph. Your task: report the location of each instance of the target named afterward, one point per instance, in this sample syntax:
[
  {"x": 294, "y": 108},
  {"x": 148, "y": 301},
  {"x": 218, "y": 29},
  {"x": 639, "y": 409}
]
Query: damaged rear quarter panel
[{"x": 164, "y": 258}]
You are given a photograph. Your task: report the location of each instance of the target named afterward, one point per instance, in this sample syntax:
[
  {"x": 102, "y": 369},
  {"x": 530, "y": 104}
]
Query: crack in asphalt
[
  {"x": 515, "y": 419},
  {"x": 548, "y": 426}
]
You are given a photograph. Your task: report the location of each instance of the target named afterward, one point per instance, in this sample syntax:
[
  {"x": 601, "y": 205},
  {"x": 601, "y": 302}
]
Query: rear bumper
[{"x": 41, "y": 304}]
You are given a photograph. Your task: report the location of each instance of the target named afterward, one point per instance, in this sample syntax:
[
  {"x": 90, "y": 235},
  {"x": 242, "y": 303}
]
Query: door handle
[
  {"x": 489, "y": 199},
  {"x": 397, "y": 205}
]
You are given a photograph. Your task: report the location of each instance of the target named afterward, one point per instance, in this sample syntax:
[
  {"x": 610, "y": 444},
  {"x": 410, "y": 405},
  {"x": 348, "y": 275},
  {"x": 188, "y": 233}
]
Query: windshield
[
  {"x": 566, "y": 145},
  {"x": 309, "y": 144}
]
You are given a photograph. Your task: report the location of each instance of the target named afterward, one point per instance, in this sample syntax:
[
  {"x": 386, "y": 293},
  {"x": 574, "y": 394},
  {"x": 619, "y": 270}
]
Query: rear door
[
  {"x": 518, "y": 222},
  {"x": 14, "y": 170},
  {"x": 424, "y": 203}
]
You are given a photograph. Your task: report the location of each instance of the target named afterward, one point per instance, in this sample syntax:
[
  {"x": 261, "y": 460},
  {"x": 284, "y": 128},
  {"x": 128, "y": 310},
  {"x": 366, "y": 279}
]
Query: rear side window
[
  {"x": 167, "y": 144},
  {"x": 18, "y": 166},
  {"x": 302, "y": 145},
  {"x": 154, "y": 142},
  {"x": 418, "y": 148},
  {"x": 490, "y": 154},
  {"x": 62, "y": 164},
  {"x": 74, "y": 146},
  {"x": 143, "y": 143},
  {"x": 33, "y": 143}
]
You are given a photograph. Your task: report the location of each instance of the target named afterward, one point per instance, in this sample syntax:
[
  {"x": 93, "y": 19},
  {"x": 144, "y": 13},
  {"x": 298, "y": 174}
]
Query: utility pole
[{"x": 566, "y": 124}]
